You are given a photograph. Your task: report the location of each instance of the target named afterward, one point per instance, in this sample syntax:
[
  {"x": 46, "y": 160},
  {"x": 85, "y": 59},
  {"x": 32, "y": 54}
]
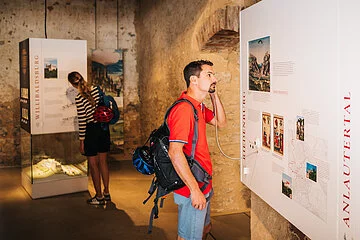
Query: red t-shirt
[{"x": 181, "y": 125}]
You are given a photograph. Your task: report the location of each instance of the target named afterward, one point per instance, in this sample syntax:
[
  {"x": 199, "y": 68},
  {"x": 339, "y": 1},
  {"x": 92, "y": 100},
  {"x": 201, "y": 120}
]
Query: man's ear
[{"x": 193, "y": 80}]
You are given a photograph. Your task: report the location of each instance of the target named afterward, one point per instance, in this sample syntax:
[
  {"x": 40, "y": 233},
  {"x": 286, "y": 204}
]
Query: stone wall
[
  {"x": 127, "y": 39},
  {"x": 266, "y": 223},
  {"x": 104, "y": 24},
  {"x": 16, "y": 24}
]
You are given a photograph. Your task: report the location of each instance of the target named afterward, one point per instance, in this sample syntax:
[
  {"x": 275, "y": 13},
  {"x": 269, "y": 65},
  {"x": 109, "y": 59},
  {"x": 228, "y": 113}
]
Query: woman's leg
[
  {"x": 95, "y": 174},
  {"x": 104, "y": 169}
]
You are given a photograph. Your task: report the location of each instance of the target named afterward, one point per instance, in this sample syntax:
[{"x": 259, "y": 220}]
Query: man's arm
[
  {"x": 182, "y": 168},
  {"x": 220, "y": 117}
]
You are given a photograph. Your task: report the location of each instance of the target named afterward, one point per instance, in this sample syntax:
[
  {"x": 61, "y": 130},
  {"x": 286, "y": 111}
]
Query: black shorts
[{"x": 97, "y": 139}]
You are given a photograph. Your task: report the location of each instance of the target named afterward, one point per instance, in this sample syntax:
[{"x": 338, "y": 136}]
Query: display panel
[
  {"x": 108, "y": 73},
  {"x": 47, "y": 99},
  {"x": 289, "y": 81}
]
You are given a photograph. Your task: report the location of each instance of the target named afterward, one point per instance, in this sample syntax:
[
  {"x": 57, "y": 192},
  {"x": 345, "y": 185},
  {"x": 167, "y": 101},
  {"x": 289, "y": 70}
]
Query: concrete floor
[{"x": 125, "y": 218}]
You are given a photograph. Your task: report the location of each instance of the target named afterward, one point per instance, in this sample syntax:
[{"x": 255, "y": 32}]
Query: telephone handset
[{"x": 212, "y": 88}]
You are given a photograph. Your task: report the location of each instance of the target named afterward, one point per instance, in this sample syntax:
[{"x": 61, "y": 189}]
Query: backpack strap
[
  {"x": 195, "y": 136},
  {"x": 104, "y": 126},
  {"x": 200, "y": 174},
  {"x": 160, "y": 193},
  {"x": 151, "y": 190},
  {"x": 101, "y": 94}
]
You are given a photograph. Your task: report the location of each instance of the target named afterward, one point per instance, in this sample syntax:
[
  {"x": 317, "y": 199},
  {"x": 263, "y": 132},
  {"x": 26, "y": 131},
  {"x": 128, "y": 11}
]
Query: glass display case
[
  {"x": 52, "y": 164},
  {"x": 50, "y": 158}
]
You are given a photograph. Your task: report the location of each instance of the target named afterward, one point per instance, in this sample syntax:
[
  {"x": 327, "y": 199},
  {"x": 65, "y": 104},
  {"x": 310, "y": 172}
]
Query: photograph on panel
[
  {"x": 287, "y": 185},
  {"x": 311, "y": 171},
  {"x": 50, "y": 68},
  {"x": 25, "y": 113},
  {"x": 259, "y": 64},
  {"x": 107, "y": 67},
  {"x": 278, "y": 126},
  {"x": 300, "y": 128},
  {"x": 24, "y": 93},
  {"x": 266, "y": 130}
]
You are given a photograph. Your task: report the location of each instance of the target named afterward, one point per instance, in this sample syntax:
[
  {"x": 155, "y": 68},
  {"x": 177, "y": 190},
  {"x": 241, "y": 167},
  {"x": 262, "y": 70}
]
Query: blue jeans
[{"x": 191, "y": 221}]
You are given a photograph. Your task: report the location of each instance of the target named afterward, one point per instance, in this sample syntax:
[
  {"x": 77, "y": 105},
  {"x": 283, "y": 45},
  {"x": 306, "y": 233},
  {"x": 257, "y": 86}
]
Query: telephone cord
[{"x": 217, "y": 136}]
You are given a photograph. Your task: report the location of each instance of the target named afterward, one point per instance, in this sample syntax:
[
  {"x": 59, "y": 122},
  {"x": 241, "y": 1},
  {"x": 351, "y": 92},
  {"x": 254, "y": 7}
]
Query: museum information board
[
  {"x": 47, "y": 99},
  {"x": 299, "y": 109}
]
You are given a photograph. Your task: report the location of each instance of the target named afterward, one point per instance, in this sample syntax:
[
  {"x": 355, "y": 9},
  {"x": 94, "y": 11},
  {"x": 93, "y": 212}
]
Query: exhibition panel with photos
[
  {"x": 50, "y": 157},
  {"x": 299, "y": 100},
  {"x": 107, "y": 68}
]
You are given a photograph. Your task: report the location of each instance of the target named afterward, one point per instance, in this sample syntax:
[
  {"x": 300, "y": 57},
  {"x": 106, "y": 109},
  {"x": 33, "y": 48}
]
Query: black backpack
[{"x": 166, "y": 179}]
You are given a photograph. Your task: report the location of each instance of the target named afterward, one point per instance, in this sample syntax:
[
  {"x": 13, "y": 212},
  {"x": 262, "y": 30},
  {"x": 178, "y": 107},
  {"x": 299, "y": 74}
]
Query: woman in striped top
[{"x": 94, "y": 139}]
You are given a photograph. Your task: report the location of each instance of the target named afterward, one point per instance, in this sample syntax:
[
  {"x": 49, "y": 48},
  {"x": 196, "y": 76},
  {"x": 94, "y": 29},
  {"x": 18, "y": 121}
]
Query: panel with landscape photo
[
  {"x": 286, "y": 185},
  {"x": 311, "y": 172},
  {"x": 50, "y": 68},
  {"x": 259, "y": 64},
  {"x": 108, "y": 73}
]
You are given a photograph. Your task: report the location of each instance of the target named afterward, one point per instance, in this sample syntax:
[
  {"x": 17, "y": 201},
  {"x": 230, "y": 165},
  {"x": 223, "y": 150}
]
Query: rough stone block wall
[
  {"x": 15, "y": 24},
  {"x": 231, "y": 195},
  {"x": 127, "y": 40},
  {"x": 266, "y": 223},
  {"x": 98, "y": 22}
]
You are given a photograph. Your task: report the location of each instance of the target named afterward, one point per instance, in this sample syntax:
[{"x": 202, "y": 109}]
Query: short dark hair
[{"x": 193, "y": 69}]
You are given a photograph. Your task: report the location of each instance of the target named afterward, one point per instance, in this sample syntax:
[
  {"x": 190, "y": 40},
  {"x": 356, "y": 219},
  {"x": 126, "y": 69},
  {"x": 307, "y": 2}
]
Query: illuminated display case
[
  {"x": 50, "y": 158},
  {"x": 52, "y": 164}
]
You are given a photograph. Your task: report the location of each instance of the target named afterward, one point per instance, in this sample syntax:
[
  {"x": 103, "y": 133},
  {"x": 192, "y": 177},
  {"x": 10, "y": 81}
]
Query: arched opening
[
  {"x": 221, "y": 40},
  {"x": 220, "y": 31}
]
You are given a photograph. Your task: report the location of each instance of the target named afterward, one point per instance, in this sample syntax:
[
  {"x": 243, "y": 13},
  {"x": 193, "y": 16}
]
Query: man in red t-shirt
[{"x": 194, "y": 210}]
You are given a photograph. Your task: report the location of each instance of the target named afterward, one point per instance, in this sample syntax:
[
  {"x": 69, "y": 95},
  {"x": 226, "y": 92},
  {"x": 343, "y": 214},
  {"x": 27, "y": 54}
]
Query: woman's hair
[{"x": 77, "y": 80}]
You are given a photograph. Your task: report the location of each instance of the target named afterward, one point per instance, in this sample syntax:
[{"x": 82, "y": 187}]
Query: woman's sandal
[{"x": 107, "y": 197}]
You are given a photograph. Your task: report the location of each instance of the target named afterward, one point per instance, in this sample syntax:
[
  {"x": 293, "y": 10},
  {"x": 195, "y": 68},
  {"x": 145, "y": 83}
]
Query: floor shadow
[
  {"x": 68, "y": 217},
  {"x": 231, "y": 226}
]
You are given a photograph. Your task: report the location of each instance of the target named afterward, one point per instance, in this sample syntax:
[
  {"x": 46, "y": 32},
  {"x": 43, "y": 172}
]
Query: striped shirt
[{"x": 85, "y": 110}]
